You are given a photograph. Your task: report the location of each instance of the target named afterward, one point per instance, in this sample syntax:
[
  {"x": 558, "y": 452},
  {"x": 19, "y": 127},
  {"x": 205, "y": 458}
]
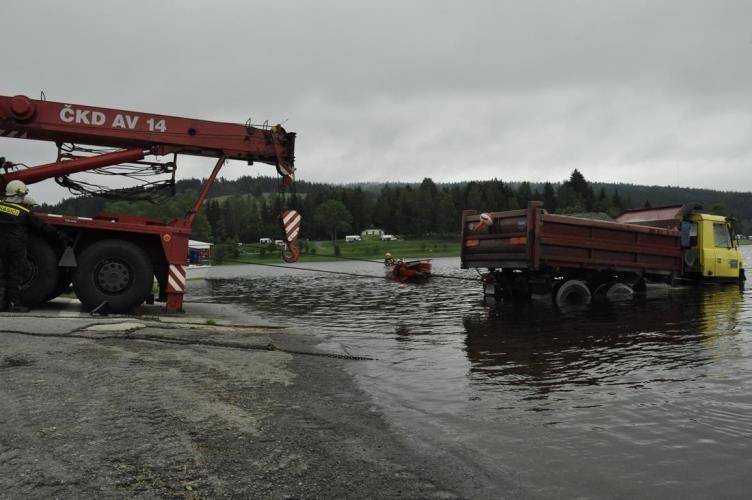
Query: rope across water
[{"x": 345, "y": 273}]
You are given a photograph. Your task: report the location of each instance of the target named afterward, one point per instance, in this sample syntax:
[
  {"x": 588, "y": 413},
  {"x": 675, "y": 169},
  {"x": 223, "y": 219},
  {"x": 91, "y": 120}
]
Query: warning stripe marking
[
  {"x": 291, "y": 224},
  {"x": 289, "y": 215},
  {"x": 176, "y": 278},
  {"x": 171, "y": 281},
  {"x": 13, "y": 133},
  {"x": 178, "y": 272}
]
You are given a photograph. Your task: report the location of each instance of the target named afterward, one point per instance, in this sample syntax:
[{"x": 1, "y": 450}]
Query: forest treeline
[{"x": 247, "y": 209}]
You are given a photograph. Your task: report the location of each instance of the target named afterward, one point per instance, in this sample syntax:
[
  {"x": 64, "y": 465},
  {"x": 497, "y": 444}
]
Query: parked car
[
  {"x": 352, "y": 237},
  {"x": 265, "y": 241},
  {"x": 388, "y": 237}
]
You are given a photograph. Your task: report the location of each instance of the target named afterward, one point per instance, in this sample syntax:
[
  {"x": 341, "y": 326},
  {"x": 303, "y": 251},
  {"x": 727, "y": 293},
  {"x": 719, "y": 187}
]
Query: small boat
[{"x": 411, "y": 271}]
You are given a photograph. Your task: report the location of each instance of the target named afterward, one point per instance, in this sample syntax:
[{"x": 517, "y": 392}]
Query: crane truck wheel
[
  {"x": 42, "y": 274},
  {"x": 63, "y": 283},
  {"x": 114, "y": 271}
]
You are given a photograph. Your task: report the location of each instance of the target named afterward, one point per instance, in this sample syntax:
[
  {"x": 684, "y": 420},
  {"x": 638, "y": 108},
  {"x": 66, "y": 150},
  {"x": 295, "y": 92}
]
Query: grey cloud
[{"x": 653, "y": 92}]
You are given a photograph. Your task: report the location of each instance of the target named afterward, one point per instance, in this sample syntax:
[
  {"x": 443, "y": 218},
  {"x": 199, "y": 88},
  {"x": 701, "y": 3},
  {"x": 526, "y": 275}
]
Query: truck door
[
  {"x": 726, "y": 257},
  {"x": 689, "y": 242}
]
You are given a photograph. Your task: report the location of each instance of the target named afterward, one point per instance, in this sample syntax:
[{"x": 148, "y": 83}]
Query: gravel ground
[{"x": 116, "y": 408}]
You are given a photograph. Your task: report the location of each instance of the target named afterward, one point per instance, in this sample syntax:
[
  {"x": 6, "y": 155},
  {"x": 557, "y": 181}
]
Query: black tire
[
  {"x": 114, "y": 271},
  {"x": 63, "y": 283},
  {"x": 619, "y": 291},
  {"x": 572, "y": 293},
  {"x": 613, "y": 291},
  {"x": 641, "y": 285},
  {"x": 42, "y": 274}
]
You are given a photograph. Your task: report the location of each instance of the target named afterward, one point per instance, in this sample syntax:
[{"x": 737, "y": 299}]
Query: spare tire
[
  {"x": 42, "y": 274},
  {"x": 114, "y": 271},
  {"x": 572, "y": 293}
]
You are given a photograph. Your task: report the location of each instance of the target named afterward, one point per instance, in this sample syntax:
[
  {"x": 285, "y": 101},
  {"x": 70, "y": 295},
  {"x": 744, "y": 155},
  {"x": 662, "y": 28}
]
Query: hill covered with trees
[{"x": 247, "y": 209}]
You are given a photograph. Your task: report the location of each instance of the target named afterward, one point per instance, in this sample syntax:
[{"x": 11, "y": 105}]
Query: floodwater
[{"x": 649, "y": 397}]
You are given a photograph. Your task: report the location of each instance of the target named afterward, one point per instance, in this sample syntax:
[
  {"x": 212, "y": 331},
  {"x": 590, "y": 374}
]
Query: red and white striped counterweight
[{"x": 290, "y": 221}]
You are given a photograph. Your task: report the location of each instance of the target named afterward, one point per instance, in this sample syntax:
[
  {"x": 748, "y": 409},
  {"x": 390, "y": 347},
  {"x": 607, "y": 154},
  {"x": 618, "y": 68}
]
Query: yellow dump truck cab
[{"x": 710, "y": 250}]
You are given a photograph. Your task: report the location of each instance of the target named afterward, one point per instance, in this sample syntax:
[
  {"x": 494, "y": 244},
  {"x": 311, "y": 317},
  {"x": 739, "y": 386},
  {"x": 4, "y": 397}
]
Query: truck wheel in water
[
  {"x": 613, "y": 291},
  {"x": 619, "y": 291},
  {"x": 641, "y": 285},
  {"x": 572, "y": 293},
  {"x": 42, "y": 274},
  {"x": 114, "y": 271}
]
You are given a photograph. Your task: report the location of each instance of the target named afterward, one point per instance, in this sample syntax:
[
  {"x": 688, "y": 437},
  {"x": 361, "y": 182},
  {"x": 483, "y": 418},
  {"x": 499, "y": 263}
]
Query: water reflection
[{"x": 657, "y": 338}]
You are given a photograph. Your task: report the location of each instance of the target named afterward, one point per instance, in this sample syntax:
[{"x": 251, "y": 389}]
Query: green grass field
[{"x": 320, "y": 251}]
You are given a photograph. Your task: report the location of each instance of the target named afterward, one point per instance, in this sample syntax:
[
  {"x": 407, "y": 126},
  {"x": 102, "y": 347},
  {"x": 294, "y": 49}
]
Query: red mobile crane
[{"x": 118, "y": 256}]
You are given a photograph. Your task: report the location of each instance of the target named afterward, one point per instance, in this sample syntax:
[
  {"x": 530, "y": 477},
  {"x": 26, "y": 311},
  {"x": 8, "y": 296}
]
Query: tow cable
[{"x": 345, "y": 273}]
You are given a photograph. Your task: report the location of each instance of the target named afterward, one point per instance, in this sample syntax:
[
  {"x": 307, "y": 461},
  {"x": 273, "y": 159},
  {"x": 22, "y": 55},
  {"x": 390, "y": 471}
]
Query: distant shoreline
[{"x": 373, "y": 250}]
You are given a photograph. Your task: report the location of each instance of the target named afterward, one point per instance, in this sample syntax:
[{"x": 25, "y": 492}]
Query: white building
[
  {"x": 372, "y": 233},
  {"x": 199, "y": 251}
]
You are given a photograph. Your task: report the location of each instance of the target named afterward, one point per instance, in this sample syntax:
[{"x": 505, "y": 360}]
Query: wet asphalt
[{"x": 152, "y": 407}]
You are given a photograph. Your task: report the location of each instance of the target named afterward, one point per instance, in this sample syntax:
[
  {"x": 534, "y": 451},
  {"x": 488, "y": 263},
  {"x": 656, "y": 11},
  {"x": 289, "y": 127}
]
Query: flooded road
[{"x": 651, "y": 396}]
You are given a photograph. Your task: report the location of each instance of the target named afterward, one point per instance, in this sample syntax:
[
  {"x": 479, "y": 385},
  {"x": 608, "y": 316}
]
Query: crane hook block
[
  {"x": 291, "y": 254},
  {"x": 290, "y": 222}
]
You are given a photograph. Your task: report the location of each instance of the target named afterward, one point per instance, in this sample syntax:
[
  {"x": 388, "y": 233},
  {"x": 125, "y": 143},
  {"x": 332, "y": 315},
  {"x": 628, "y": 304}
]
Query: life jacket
[{"x": 14, "y": 213}]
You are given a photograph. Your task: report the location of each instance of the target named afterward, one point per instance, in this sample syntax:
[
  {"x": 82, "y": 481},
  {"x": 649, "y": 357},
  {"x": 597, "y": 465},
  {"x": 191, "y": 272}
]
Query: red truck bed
[{"x": 534, "y": 240}]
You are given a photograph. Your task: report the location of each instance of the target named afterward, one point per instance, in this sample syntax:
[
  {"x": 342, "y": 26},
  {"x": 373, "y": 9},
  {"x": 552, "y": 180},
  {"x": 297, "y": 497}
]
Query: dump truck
[{"x": 532, "y": 251}]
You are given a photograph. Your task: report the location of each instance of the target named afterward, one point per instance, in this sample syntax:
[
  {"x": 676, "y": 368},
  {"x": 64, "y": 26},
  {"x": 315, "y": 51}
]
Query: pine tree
[
  {"x": 616, "y": 201},
  {"x": 582, "y": 188},
  {"x": 602, "y": 204},
  {"x": 549, "y": 198},
  {"x": 524, "y": 194}
]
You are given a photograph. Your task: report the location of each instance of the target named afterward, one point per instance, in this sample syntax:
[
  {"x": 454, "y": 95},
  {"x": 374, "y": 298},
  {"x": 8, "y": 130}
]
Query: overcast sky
[{"x": 655, "y": 92}]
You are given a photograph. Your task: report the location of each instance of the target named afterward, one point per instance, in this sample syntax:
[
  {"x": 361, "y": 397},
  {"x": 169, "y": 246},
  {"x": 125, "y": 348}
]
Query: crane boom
[{"x": 25, "y": 118}]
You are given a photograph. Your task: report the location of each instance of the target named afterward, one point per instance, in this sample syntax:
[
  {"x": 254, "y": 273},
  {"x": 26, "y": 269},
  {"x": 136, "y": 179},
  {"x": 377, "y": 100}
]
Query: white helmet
[
  {"x": 29, "y": 201},
  {"x": 16, "y": 188}
]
